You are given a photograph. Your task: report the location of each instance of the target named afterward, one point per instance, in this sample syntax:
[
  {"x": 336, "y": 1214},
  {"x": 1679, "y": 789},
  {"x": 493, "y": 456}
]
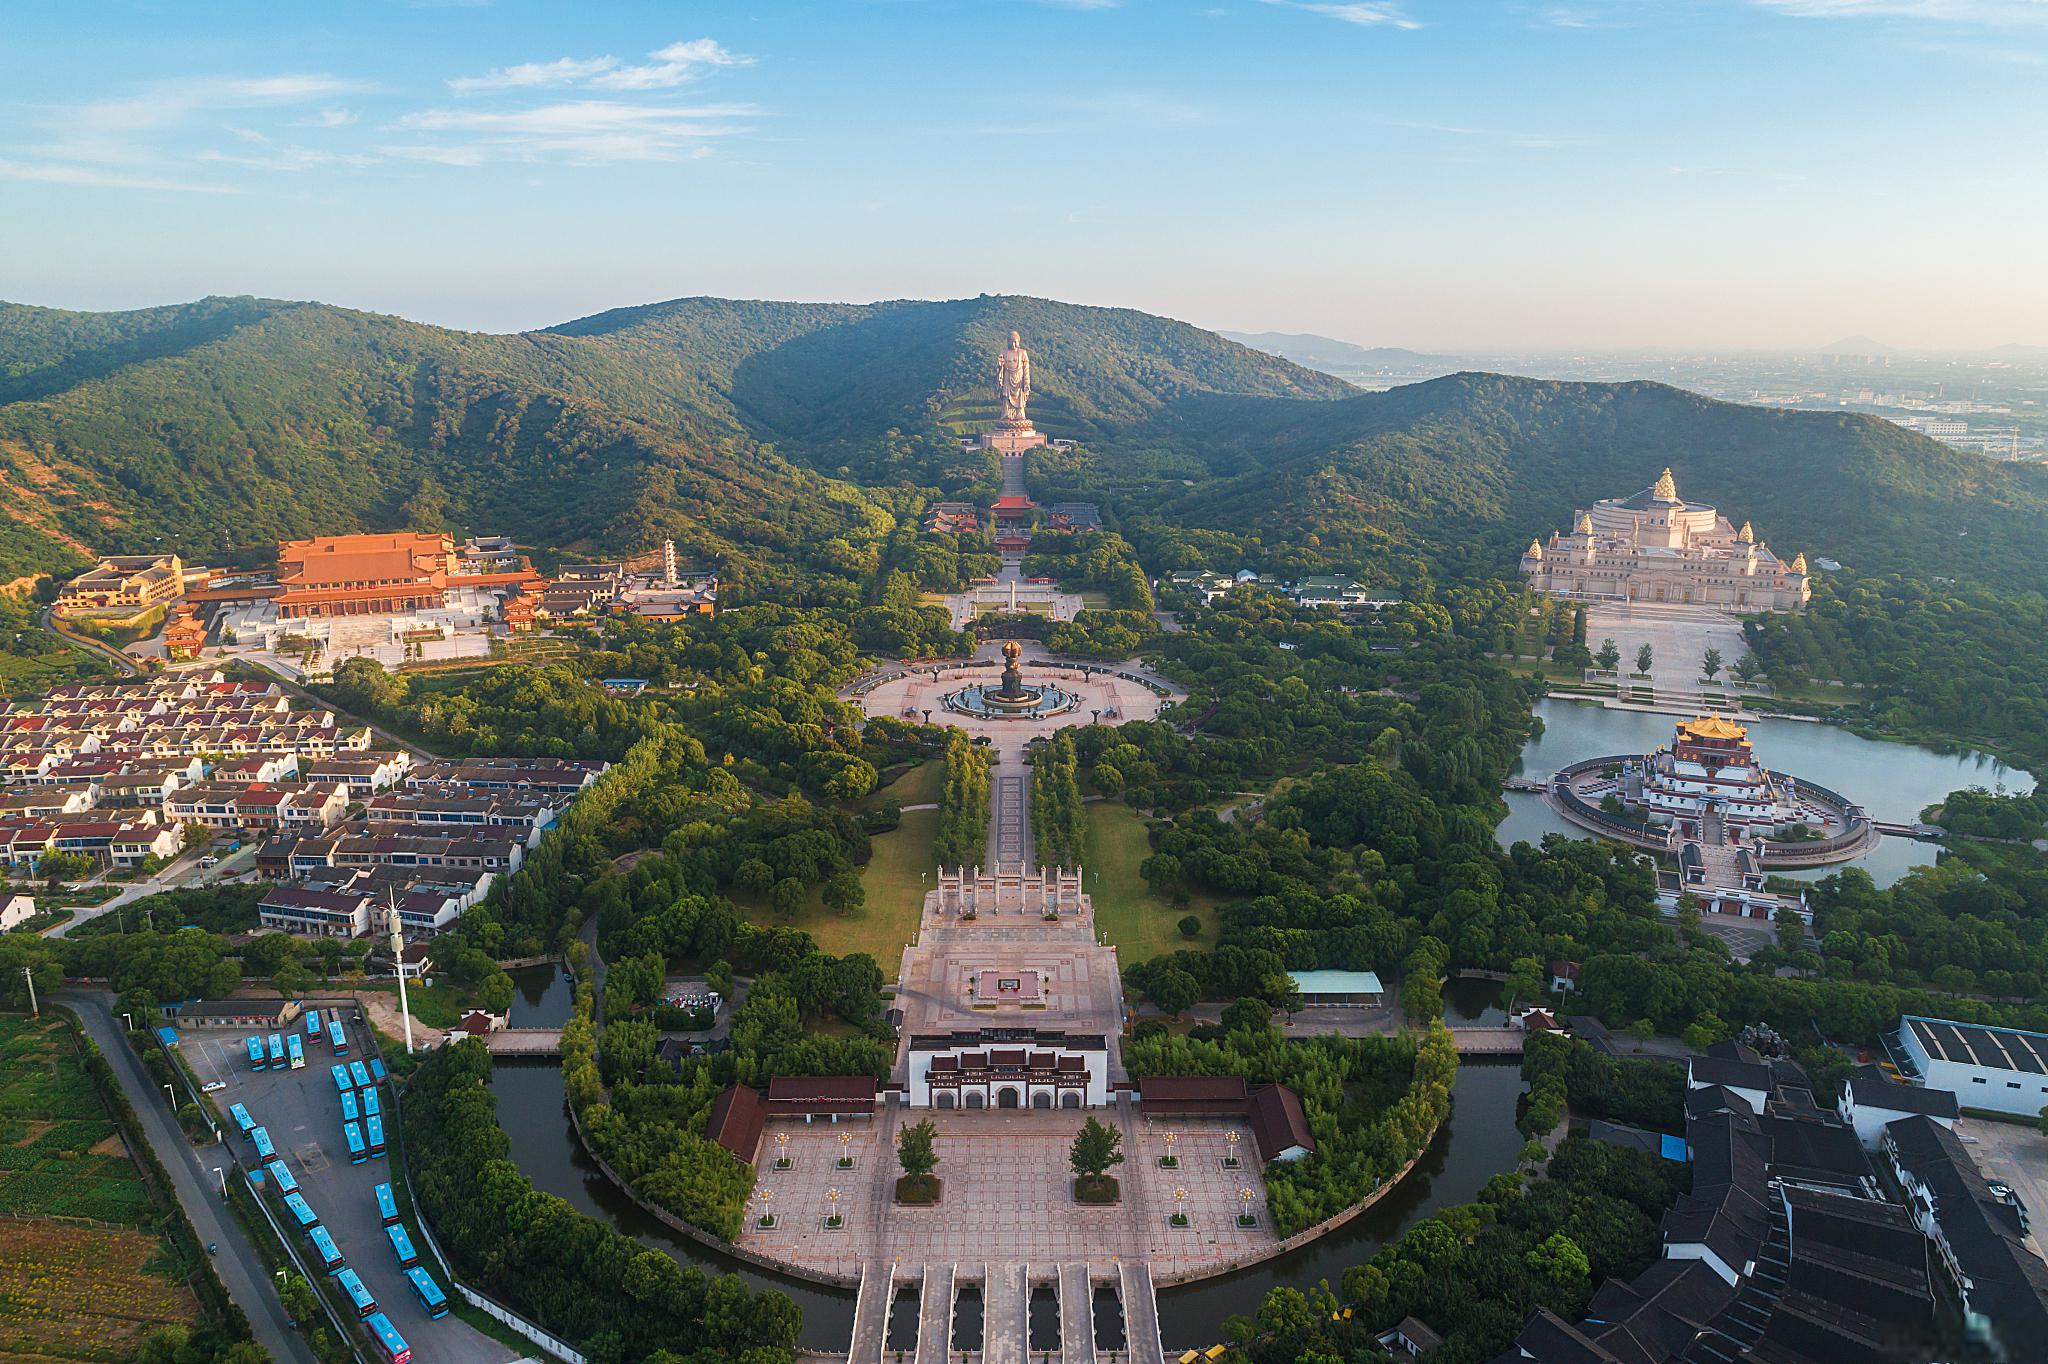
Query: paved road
[
  {"x": 184, "y": 873},
  {"x": 247, "y": 1279}
]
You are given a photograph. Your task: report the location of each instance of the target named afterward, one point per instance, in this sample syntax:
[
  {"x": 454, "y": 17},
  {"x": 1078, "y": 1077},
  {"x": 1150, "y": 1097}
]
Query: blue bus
[
  {"x": 340, "y": 1074},
  {"x": 387, "y": 1206},
  {"x": 242, "y": 1119},
  {"x": 265, "y": 1152},
  {"x": 391, "y": 1346},
  {"x": 348, "y": 1106},
  {"x": 373, "y": 1130},
  {"x": 287, "y": 1182},
  {"x": 428, "y": 1292},
  {"x": 376, "y": 1070},
  {"x": 302, "y": 1212},
  {"x": 352, "y": 1284},
  {"x": 401, "y": 1245},
  {"x": 353, "y": 1135},
  {"x": 372, "y": 1106},
  {"x": 295, "y": 1050},
  {"x": 337, "y": 1037},
  {"x": 324, "y": 1247},
  {"x": 358, "y": 1076},
  {"x": 312, "y": 1025},
  {"x": 276, "y": 1051},
  {"x": 256, "y": 1057}
]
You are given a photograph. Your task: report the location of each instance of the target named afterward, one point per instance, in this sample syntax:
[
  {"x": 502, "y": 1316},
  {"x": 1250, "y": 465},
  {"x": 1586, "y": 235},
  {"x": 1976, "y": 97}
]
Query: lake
[{"x": 1895, "y": 782}]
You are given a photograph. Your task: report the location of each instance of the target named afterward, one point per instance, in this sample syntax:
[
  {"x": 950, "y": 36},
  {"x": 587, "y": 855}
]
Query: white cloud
[
  {"x": 1364, "y": 13},
  {"x": 122, "y": 142},
  {"x": 665, "y": 68},
  {"x": 583, "y": 130},
  {"x": 328, "y": 118},
  {"x": 1948, "y": 11},
  {"x": 90, "y": 175},
  {"x": 527, "y": 75},
  {"x": 671, "y": 66}
]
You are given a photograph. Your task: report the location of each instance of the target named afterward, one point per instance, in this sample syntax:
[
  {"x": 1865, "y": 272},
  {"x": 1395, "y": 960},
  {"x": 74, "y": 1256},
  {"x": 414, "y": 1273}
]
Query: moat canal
[
  {"x": 1894, "y": 781},
  {"x": 1478, "y": 1142}
]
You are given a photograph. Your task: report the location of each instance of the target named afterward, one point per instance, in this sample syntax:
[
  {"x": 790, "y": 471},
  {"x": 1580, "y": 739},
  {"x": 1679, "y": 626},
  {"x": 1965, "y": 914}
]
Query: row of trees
[
  {"x": 962, "y": 835},
  {"x": 616, "y": 1300},
  {"x": 1058, "y": 819},
  {"x": 1372, "y": 1104}
]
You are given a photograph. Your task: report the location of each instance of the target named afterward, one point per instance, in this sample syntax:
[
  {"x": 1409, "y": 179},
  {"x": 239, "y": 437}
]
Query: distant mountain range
[
  {"x": 775, "y": 439},
  {"x": 1342, "y": 357}
]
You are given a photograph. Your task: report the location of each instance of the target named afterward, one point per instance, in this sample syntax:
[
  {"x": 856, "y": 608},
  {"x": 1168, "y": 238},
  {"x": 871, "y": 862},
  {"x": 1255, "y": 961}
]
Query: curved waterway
[
  {"x": 1478, "y": 1142},
  {"x": 1895, "y": 782}
]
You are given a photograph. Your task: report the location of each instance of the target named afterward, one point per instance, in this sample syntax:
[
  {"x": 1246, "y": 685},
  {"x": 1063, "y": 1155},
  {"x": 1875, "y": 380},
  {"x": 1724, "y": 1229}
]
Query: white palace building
[{"x": 1657, "y": 547}]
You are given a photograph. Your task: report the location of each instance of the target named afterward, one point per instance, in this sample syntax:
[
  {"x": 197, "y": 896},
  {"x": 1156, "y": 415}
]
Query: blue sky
[{"x": 1430, "y": 173}]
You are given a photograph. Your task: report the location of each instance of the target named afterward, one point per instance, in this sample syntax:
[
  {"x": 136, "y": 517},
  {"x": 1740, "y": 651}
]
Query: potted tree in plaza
[
  {"x": 916, "y": 1152},
  {"x": 1096, "y": 1149}
]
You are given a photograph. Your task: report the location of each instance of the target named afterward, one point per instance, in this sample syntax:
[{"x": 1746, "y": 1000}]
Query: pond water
[
  {"x": 1895, "y": 782},
  {"x": 542, "y": 996},
  {"x": 1478, "y": 1142},
  {"x": 1473, "y": 1002}
]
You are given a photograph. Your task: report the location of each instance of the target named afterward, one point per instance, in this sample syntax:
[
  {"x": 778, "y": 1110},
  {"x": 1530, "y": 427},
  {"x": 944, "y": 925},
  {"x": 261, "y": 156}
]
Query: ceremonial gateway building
[{"x": 1658, "y": 547}]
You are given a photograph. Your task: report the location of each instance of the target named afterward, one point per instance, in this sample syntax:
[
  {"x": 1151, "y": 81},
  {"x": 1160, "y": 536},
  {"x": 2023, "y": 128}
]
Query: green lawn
[
  {"x": 894, "y": 879},
  {"x": 1139, "y": 921},
  {"x": 918, "y": 786}
]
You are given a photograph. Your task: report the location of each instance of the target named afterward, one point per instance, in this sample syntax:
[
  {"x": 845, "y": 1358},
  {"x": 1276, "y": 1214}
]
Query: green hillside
[
  {"x": 1466, "y": 469},
  {"x": 775, "y": 437},
  {"x": 232, "y": 422}
]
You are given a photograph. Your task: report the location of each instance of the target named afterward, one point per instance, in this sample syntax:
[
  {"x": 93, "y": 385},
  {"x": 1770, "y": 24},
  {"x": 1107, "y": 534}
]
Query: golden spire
[
  {"x": 1585, "y": 525},
  {"x": 1666, "y": 489},
  {"x": 1745, "y": 536},
  {"x": 1799, "y": 562},
  {"x": 1535, "y": 549}
]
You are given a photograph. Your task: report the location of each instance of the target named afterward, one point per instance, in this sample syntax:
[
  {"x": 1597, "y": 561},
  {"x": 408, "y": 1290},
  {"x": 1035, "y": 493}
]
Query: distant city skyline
[{"x": 1450, "y": 177}]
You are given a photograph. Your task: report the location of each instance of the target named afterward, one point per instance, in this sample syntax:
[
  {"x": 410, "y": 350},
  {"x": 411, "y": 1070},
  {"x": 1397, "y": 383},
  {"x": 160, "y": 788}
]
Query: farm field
[
  {"x": 91, "y": 1288},
  {"x": 71, "y": 1292}
]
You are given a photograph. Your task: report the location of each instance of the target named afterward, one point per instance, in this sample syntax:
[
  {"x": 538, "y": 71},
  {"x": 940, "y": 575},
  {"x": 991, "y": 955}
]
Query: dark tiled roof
[
  {"x": 1278, "y": 1124},
  {"x": 1869, "y": 1089},
  {"x": 735, "y": 1121},
  {"x": 822, "y": 1093}
]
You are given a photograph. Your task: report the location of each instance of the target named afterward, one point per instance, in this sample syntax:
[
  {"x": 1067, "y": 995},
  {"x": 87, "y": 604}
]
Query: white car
[{"x": 213, "y": 1086}]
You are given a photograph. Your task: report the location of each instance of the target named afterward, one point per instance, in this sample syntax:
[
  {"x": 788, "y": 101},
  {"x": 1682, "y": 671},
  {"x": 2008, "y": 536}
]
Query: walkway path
[
  {"x": 1006, "y": 1315},
  {"x": 241, "y": 1269},
  {"x": 1141, "y": 1314},
  {"x": 1009, "y": 809}
]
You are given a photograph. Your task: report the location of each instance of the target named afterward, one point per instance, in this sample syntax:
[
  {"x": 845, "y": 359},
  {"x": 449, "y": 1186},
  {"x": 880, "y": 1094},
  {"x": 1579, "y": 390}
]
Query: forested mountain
[
  {"x": 768, "y": 437},
  {"x": 1470, "y": 467},
  {"x": 236, "y": 421}
]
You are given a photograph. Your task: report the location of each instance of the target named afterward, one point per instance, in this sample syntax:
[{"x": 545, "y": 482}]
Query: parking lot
[
  {"x": 301, "y": 1111},
  {"x": 2016, "y": 1154}
]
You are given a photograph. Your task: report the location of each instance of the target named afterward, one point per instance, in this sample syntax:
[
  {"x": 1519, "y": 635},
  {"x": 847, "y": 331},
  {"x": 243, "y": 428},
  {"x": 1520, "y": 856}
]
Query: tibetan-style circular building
[{"x": 1708, "y": 801}]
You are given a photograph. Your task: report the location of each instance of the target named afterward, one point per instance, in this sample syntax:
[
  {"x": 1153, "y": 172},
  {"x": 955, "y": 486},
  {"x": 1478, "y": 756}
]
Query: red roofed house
[
  {"x": 1273, "y": 1112},
  {"x": 735, "y": 1121}
]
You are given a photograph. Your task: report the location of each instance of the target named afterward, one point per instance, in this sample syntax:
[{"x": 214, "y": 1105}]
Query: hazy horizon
[{"x": 1606, "y": 175}]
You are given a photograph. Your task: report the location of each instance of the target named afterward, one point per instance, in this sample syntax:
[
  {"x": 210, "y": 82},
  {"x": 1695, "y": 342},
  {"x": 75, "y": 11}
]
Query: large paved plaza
[
  {"x": 1110, "y": 694},
  {"x": 1008, "y": 1195}
]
